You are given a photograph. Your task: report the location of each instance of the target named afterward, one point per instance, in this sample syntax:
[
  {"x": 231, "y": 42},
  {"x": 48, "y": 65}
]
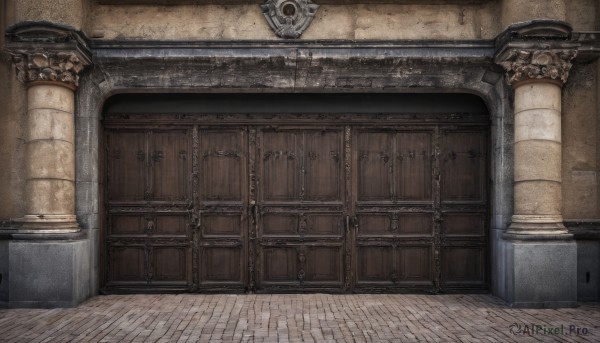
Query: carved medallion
[{"x": 289, "y": 18}]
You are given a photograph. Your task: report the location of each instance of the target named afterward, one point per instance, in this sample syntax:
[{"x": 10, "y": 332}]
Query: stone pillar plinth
[{"x": 51, "y": 78}]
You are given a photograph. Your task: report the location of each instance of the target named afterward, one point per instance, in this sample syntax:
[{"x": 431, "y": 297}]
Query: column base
[
  {"x": 537, "y": 227},
  {"x": 47, "y": 223},
  {"x": 540, "y": 274},
  {"x": 46, "y": 274}
]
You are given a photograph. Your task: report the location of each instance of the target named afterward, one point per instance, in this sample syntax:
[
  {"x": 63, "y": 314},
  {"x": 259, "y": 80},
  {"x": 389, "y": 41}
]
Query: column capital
[
  {"x": 536, "y": 51},
  {"x": 44, "y": 52}
]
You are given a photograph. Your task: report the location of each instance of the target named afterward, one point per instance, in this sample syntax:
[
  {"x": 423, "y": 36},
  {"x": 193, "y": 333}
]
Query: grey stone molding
[
  {"x": 289, "y": 18},
  {"x": 48, "y": 52},
  {"x": 540, "y": 50}
]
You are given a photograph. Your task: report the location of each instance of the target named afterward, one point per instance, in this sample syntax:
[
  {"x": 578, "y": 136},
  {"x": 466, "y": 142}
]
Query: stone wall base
[
  {"x": 45, "y": 274},
  {"x": 541, "y": 274}
]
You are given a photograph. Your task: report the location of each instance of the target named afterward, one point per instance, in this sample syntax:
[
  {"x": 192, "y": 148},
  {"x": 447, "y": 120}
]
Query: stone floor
[{"x": 299, "y": 318}]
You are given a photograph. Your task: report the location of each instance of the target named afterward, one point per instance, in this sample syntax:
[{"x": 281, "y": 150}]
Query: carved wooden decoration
[{"x": 289, "y": 18}]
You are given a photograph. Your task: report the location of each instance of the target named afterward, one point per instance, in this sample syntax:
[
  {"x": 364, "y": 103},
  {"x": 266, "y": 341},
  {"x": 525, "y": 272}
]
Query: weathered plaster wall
[
  {"x": 12, "y": 128},
  {"x": 583, "y": 14},
  {"x": 516, "y": 11},
  {"x": 580, "y": 166},
  {"x": 66, "y": 12},
  {"x": 356, "y": 21}
]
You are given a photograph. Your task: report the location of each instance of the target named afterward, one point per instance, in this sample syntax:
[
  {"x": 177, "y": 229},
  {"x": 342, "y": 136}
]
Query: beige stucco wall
[
  {"x": 13, "y": 122},
  {"x": 355, "y": 21},
  {"x": 581, "y": 140}
]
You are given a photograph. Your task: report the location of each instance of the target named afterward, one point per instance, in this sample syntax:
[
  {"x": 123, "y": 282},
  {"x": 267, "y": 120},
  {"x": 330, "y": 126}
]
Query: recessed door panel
[
  {"x": 222, "y": 156},
  {"x": 323, "y": 165},
  {"x": 414, "y": 171},
  {"x": 127, "y": 165},
  {"x": 375, "y": 264},
  {"x": 221, "y": 265},
  {"x": 374, "y": 165},
  {"x": 169, "y": 157},
  {"x": 324, "y": 264},
  {"x": 281, "y": 165}
]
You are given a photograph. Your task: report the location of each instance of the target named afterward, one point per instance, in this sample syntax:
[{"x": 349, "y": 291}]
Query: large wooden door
[
  {"x": 296, "y": 203},
  {"x": 300, "y": 208}
]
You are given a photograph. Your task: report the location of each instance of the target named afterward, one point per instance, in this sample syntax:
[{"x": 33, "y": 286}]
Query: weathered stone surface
[
  {"x": 542, "y": 275},
  {"x": 539, "y": 123},
  {"x": 582, "y": 14},
  {"x": 538, "y": 197},
  {"x": 537, "y": 95},
  {"x": 537, "y": 160},
  {"x": 50, "y": 196},
  {"x": 67, "y": 12},
  {"x": 49, "y": 96},
  {"x": 51, "y": 124},
  {"x": 516, "y": 11},
  {"x": 48, "y": 274},
  {"x": 52, "y": 159},
  {"x": 581, "y": 147},
  {"x": 353, "y": 21}
]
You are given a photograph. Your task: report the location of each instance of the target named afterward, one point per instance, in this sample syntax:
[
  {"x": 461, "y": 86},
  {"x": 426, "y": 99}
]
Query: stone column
[
  {"x": 537, "y": 262},
  {"x": 48, "y": 254},
  {"x": 536, "y": 76},
  {"x": 51, "y": 78}
]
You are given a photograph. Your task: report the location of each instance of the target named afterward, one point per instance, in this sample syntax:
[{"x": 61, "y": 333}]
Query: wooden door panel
[
  {"x": 463, "y": 224},
  {"x": 415, "y": 224},
  {"x": 463, "y": 266},
  {"x": 221, "y": 224},
  {"x": 281, "y": 165},
  {"x": 170, "y": 165},
  {"x": 170, "y": 264},
  {"x": 414, "y": 264},
  {"x": 279, "y": 224},
  {"x": 375, "y": 224},
  {"x": 324, "y": 224},
  {"x": 127, "y": 225},
  {"x": 414, "y": 172},
  {"x": 280, "y": 265},
  {"x": 171, "y": 225},
  {"x": 375, "y": 264},
  {"x": 127, "y": 165},
  {"x": 463, "y": 165},
  {"x": 374, "y": 166},
  {"x": 222, "y": 157},
  {"x": 324, "y": 265},
  {"x": 127, "y": 264},
  {"x": 323, "y": 165},
  {"x": 222, "y": 265}
]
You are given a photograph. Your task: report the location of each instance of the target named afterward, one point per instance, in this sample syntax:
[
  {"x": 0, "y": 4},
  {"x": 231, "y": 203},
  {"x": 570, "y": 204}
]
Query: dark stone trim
[{"x": 584, "y": 229}]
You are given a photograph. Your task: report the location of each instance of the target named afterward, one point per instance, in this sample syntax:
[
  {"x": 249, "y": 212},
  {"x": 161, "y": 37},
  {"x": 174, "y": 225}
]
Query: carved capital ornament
[
  {"x": 62, "y": 67},
  {"x": 537, "y": 64},
  {"x": 289, "y": 18},
  {"x": 46, "y": 52}
]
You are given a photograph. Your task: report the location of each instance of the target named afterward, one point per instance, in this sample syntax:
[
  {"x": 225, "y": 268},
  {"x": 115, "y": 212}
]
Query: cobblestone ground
[{"x": 298, "y": 318}]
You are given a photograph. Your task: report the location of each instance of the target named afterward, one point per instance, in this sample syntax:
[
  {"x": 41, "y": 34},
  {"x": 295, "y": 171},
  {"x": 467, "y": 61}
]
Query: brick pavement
[{"x": 295, "y": 318}]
